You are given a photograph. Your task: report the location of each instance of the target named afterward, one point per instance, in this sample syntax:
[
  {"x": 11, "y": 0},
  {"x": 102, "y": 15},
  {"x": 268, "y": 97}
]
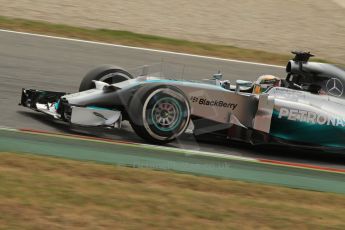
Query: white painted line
[
  {"x": 200, "y": 153},
  {"x": 140, "y": 48},
  {"x": 7, "y": 128}
]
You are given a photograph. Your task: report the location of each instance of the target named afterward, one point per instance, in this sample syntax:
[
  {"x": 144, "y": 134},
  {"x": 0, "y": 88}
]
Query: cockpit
[{"x": 313, "y": 77}]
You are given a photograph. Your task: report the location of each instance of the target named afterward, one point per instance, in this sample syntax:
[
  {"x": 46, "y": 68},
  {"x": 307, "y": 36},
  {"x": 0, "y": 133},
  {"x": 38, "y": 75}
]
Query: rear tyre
[
  {"x": 159, "y": 114},
  {"x": 106, "y": 73}
]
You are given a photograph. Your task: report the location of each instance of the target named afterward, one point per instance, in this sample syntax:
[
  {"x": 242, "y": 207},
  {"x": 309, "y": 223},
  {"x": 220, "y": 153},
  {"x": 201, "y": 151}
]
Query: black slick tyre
[
  {"x": 106, "y": 73},
  {"x": 159, "y": 114}
]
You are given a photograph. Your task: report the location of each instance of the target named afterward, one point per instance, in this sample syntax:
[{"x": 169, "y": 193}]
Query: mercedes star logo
[{"x": 335, "y": 87}]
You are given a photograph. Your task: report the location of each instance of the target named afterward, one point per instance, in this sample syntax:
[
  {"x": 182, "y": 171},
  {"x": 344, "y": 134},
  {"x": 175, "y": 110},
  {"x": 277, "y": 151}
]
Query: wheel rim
[
  {"x": 178, "y": 127},
  {"x": 166, "y": 114}
]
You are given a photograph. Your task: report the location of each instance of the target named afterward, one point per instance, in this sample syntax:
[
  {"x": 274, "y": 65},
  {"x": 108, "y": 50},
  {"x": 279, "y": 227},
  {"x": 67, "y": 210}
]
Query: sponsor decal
[
  {"x": 216, "y": 103},
  {"x": 335, "y": 87},
  {"x": 310, "y": 117}
]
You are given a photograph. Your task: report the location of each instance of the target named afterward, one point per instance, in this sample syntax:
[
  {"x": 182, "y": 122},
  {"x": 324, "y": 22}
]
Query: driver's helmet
[{"x": 265, "y": 82}]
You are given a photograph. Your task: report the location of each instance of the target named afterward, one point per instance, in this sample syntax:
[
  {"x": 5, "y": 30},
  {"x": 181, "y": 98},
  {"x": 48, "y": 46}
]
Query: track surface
[{"x": 53, "y": 64}]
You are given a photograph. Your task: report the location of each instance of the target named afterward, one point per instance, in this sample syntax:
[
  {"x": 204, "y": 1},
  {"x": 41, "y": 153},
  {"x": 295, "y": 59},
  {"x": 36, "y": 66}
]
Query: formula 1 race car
[{"x": 306, "y": 109}]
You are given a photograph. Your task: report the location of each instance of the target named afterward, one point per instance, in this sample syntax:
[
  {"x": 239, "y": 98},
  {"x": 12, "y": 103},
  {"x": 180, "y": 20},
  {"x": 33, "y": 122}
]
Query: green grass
[
  {"x": 143, "y": 40},
  {"x": 51, "y": 193}
]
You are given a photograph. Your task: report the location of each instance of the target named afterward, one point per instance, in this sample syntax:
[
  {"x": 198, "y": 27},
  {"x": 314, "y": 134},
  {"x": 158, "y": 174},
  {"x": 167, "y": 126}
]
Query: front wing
[{"x": 51, "y": 103}]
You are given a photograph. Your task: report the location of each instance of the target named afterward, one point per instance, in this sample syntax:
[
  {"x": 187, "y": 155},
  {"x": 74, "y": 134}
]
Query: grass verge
[
  {"x": 51, "y": 193},
  {"x": 143, "y": 40}
]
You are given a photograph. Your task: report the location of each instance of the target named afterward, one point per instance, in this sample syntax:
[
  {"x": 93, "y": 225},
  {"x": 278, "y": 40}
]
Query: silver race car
[{"x": 307, "y": 109}]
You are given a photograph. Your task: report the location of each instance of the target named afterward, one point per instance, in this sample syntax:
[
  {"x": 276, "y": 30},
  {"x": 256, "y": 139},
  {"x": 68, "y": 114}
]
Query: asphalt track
[{"x": 59, "y": 64}]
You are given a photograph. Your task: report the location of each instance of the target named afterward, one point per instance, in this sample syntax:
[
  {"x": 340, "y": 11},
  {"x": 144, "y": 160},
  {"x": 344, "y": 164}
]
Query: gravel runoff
[{"x": 272, "y": 25}]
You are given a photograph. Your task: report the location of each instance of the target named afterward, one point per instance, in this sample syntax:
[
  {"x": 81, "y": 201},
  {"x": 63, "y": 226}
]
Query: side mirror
[
  {"x": 241, "y": 83},
  {"x": 217, "y": 76}
]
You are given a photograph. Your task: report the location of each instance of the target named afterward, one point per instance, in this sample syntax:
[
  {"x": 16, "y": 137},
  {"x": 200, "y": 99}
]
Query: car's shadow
[
  {"x": 285, "y": 153},
  {"x": 187, "y": 141}
]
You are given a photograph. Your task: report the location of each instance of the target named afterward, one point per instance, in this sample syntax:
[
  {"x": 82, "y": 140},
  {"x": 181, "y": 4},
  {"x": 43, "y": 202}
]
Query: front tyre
[
  {"x": 159, "y": 115},
  {"x": 105, "y": 73}
]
